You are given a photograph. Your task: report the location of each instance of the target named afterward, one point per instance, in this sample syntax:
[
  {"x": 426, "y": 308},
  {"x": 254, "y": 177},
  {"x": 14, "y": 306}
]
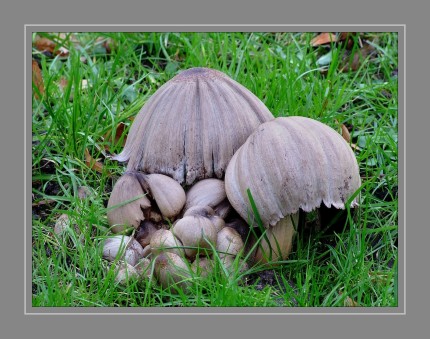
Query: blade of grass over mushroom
[
  {"x": 125, "y": 202},
  {"x": 262, "y": 229},
  {"x": 254, "y": 209}
]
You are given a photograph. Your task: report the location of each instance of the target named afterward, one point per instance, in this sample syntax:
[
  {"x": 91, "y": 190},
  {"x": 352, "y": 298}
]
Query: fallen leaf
[
  {"x": 92, "y": 163},
  {"x": 353, "y": 63},
  {"x": 345, "y": 133},
  {"x": 37, "y": 79},
  {"x": 43, "y": 202},
  {"x": 347, "y": 136},
  {"x": 118, "y": 135},
  {"x": 323, "y": 38},
  {"x": 46, "y": 45}
]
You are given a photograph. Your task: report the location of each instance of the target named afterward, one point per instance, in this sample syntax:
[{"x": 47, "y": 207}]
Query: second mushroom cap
[{"x": 288, "y": 164}]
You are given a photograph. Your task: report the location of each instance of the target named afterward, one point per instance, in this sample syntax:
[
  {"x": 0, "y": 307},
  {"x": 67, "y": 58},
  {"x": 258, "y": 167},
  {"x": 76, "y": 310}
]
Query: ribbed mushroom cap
[
  {"x": 191, "y": 127},
  {"x": 288, "y": 164}
]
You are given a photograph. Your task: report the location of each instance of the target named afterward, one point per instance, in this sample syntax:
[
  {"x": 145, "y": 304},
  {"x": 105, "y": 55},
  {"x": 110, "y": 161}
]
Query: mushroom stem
[{"x": 276, "y": 244}]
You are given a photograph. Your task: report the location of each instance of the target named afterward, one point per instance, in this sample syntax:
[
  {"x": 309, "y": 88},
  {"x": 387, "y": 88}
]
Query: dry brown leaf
[
  {"x": 43, "y": 202},
  {"x": 44, "y": 45},
  {"x": 118, "y": 135},
  {"x": 37, "y": 78},
  {"x": 345, "y": 133},
  {"x": 92, "y": 163},
  {"x": 323, "y": 38},
  {"x": 353, "y": 63},
  {"x": 47, "y": 45},
  {"x": 347, "y": 136}
]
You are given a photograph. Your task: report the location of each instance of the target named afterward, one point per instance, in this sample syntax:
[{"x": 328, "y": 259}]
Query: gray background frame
[
  {"x": 13, "y": 316},
  {"x": 30, "y": 29}
]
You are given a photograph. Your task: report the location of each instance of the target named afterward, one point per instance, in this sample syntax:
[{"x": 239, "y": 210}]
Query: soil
[{"x": 272, "y": 278}]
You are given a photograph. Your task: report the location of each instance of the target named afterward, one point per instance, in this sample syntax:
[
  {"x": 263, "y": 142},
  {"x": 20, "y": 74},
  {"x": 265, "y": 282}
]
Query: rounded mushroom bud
[
  {"x": 125, "y": 272},
  {"x": 167, "y": 193},
  {"x": 202, "y": 266},
  {"x": 191, "y": 126},
  {"x": 129, "y": 249},
  {"x": 163, "y": 197},
  {"x": 206, "y": 212},
  {"x": 232, "y": 264},
  {"x": 165, "y": 241},
  {"x": 170, "y": 269},
  {"x": 289, "y": 164},
  {"x": 195, "y": 232},
  {"x": 229, "y": 242},
  {"x": 209, "y": 192},
  {"x": 143, "y": 268}
]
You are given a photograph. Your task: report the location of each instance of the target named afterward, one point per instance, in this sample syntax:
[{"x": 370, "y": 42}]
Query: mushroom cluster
[
  {"x": 177, "y": 151},
  {"x": 202, "y": 154}
]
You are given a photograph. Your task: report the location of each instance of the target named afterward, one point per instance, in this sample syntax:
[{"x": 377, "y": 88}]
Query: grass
[{"x": 89, "y": 92}]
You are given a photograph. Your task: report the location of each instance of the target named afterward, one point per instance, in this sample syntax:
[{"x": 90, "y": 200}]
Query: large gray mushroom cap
[
  {"x": 290, "y": 164},
  {"x": 191, "y": 127}
]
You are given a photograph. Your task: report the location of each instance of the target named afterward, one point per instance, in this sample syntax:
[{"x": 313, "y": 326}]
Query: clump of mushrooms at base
[{"x": 198, "y": 150}]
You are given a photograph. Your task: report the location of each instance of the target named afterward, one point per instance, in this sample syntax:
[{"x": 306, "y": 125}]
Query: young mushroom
[
  {"x": 206, "y": 212},
  {"x": 289, "y": 164},
  {"x": 125, "y": 272},
  {"x": 156, "y": 196},
  {"x": 190, "y": 128},
  {"x": 122, "y": 247},
  {"x": 209, "y": 192},
  {"x": 165, "y": 241},
  {"x": 229, "y": 242},
  {"x": 171, "y": 269},
  {"x": 196, "y": 232}
]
